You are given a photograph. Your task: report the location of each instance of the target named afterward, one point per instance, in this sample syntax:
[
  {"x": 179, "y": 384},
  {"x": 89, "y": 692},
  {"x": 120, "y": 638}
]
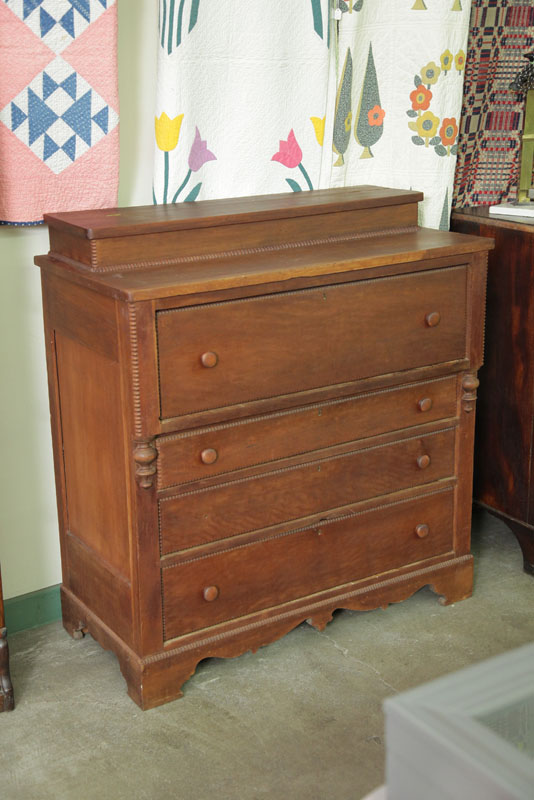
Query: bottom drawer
[{"x": 214, "y": 588}]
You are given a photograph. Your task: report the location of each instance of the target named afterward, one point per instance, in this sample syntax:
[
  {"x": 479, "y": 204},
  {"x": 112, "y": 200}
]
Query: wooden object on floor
[
  {"x": 7, "y": 702},
  {"x": 262, "y": 411},
  {"x": 504, "y": 482}
]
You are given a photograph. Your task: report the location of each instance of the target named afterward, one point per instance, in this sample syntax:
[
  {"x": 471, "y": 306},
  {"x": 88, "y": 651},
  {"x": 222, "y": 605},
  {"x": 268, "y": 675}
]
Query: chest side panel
[{"x": 89, "y": 443}]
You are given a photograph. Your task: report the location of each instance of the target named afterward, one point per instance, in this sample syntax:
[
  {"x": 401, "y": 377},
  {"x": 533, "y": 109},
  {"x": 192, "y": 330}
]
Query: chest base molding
[{"x": 158, "y": 679}]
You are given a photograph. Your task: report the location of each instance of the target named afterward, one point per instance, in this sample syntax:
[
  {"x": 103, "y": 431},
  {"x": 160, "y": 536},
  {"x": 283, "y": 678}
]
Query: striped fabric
[{"x": 501, "y": 31}]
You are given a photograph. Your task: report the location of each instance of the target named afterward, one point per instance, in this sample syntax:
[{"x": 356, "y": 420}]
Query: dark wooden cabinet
[
  {"x": 503, "y": 478},
  {"x": 262, "y": 410},
  {"x": 6, "y": 687}
]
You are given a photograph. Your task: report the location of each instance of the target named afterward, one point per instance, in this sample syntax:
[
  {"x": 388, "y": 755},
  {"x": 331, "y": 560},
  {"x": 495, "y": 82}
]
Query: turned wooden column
[{"x": 6, "y": 689}]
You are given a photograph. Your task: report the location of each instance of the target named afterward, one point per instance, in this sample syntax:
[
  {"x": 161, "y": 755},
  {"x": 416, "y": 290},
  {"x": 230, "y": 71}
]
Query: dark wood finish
[
  {"x": 104, "y": 238},
  {"x": 258, "y": 440},
  {"x": 503, "y": 478},
  {"x": 261, "y": 412},
  {"x": 7, "y": 702},
  {"x": 286, "y": 331},
  {"x": 275, "y": 570},
  {"x": 238, "y": 506}
]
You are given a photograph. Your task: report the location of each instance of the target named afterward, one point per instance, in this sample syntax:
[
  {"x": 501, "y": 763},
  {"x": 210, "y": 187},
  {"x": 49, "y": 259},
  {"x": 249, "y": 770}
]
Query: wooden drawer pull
[
  {"x": 423, "y": 461},
  {"x": 209, "y": 359},
  {"x": 425, "y": 404},
  {"x": 210, "y": 593},
  {"x": 422, "y": 530},
  {"x": 209, "y": 456},
  {"x": 433, "y": 319}
]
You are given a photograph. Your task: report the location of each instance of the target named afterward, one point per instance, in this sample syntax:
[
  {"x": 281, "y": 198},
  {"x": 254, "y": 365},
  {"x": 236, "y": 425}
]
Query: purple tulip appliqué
[{"x": 198, "y": 156}]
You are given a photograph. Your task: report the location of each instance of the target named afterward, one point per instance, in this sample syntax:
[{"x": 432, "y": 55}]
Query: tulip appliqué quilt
[{"x": 307, "y": 95}]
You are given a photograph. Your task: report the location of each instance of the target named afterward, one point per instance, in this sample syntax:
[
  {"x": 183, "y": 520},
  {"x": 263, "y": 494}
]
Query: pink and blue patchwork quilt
[{"x": 59, "y": 145}]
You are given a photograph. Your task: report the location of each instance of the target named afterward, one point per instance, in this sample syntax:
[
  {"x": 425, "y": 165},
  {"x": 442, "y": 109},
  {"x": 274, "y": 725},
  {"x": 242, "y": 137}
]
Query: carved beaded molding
[{"x": 164, "y": 262}]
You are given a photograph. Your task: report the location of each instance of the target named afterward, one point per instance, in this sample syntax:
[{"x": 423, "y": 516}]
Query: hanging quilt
[
  {"x": 399, "y": 96},
  {"x": 59, "y": 146},
  {"x": 293, "y": 96},
  {"x": 501, "y": 32},
  {"x": 241, "y": 97}
]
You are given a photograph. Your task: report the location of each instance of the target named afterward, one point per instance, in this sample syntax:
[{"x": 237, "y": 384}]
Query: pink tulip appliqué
[
  {"x": 290, "y": 155},
  {"x": 198, "y": 156}
]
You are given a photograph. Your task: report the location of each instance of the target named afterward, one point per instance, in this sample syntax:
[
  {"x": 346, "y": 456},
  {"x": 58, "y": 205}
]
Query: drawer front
[
  {"x": 205, "y": 515},
  {"x": 191, "y": 456},
  {"x": 204, "y": 592},
  {"x": 221, "y": 354}
]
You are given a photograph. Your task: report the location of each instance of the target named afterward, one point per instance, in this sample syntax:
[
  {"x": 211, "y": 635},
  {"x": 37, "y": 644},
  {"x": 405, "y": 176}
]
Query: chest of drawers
[{"x": 262, "y": 411}]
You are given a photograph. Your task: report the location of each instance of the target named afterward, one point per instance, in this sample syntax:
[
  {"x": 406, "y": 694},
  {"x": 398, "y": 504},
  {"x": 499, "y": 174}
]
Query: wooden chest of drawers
[{"x": 262, "y": 410}]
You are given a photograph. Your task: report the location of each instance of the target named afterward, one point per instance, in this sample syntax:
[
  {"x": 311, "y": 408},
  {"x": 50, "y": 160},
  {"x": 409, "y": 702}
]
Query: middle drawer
[
  {"x": 194, "y": 455},
  {"x": 204, "y": 515}
]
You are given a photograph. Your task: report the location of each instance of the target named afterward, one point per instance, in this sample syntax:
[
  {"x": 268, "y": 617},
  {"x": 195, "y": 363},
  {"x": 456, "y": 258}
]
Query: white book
[{"x": 514, "y": 210}]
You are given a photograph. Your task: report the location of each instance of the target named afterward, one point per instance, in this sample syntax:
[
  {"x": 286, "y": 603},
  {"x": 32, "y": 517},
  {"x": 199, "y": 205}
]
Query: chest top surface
[{"x": 150, "y": 252}]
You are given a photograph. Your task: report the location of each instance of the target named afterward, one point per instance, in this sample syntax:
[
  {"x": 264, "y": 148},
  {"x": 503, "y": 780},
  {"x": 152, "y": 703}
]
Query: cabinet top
[{"x": 482, "y": 216}]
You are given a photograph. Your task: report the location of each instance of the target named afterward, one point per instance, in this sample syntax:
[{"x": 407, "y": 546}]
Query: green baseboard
[{"x": 33, "y": 609}]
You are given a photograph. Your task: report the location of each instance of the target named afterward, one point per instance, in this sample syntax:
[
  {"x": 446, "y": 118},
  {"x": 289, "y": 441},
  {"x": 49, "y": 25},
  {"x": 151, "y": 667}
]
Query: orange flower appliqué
[
  {"x": 289, "y": 154},
  {"x": 420, "y": 97},
  {"x": 448, "y": 131},
  {"x": 376, "y": 116},
  {"x": 459, "y": 60}
]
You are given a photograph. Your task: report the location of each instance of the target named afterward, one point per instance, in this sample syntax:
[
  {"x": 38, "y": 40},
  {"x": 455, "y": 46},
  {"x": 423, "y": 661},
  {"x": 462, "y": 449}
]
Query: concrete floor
[{"x": 300, "y": 719}]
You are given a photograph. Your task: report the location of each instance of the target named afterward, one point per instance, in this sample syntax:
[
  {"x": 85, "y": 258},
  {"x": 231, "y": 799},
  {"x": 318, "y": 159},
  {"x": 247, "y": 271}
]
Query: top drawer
[{"x": 221, "y": 354}]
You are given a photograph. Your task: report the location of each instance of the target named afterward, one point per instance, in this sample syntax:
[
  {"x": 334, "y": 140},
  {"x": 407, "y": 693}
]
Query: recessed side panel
[{"x": 93, "y": 451}]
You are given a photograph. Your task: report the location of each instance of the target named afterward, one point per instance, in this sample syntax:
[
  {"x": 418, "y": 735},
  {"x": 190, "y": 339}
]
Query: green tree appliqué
[
  {"x": 369, "y": 125},
  {"x": 343, "y": 113}
]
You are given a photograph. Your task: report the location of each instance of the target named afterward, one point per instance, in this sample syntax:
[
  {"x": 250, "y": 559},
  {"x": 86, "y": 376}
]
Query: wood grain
[
  {"x": 229, "y": 509},
  {"x": 286, "y": 332},
  {"x": 262, "y": 411},
  {"x": 93, "y": 450},
  {"x": 258, "y": 440},
  {"x": 272, "y": 572},
  {"x": 503, "y": 475}
]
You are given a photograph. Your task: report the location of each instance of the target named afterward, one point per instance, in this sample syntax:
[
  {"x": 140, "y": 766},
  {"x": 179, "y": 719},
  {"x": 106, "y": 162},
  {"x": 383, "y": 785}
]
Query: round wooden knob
[
  {"x": 210, "y": 593},
  {"x": 425, "y": 404},
  {"x": 209, "y": 359},
  {"x": 209, "y": 456},
  {"x": 423, "y": 461},
  {"x": 422, "y": 530},
  {"x": 433, "y": 319}
]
